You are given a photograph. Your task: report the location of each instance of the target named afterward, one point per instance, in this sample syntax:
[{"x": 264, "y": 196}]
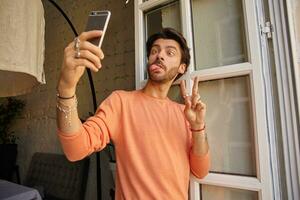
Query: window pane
[
  {"x": 219, "y": 35},
  {"x": 167, "y": 15},
  {"x": 221, "y": 193},
  {"x": 230, "y": 125}
]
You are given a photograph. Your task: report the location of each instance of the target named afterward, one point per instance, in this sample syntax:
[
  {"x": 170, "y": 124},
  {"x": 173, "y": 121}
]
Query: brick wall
[{"x": 37, "y": 126}]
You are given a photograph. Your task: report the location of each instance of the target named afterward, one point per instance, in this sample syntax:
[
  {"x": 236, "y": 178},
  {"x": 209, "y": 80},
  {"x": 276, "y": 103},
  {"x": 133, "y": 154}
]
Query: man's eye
[
  {"x": 153, "y": 51},
  {"x": 171, "y": 53}
]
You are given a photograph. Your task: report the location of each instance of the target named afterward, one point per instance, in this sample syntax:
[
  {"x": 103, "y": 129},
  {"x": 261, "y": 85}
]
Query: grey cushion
[{"x": 58, "y": 177}]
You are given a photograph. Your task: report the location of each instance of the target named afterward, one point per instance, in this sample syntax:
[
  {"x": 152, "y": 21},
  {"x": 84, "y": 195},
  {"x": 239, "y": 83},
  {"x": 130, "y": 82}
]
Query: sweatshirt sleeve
[
  {"x": 200, "y": 165},
  {"x": 95, "y": 133}
]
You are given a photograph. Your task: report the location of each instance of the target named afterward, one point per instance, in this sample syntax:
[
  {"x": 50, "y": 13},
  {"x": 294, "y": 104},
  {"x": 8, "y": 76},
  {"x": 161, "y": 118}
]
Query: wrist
[
  {"x": 65, "y": 92},
  {"x": 197, "y": 127}
]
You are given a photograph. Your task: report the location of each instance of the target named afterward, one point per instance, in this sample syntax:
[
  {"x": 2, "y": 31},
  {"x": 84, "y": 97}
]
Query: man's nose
[{"x": 160, "y": 55}]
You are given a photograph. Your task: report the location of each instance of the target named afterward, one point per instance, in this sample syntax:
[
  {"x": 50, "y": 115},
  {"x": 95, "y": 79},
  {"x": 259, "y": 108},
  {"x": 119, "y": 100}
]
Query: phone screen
[{"x": 97, "y": 21}]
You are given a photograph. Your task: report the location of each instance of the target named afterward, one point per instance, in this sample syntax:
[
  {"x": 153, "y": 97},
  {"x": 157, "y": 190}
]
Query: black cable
[
  {"x": 65, "y": 16},
  {"x": 98, "y": 161}
]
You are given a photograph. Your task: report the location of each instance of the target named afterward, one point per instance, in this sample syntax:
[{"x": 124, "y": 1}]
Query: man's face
[{"x": 164, "y": 61}]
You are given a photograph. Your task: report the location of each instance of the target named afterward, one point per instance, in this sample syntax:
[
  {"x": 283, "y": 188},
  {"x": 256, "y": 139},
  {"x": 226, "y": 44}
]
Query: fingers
[
  {"x": 183, "y": 89},
  {"x": 201, "y": 110},
  {"x": 91, "y": 52},
  {"x": 196, "y": 99},
  {"x": 79, "y": 50},
  {"x": 86, "y": 45},
  {"x": 193, "y": 100},
  {"x": 195, "y": 86},
  {"x": 89, "y": 35},
  {"x": 92, "y": 58},
  {"x": 185, "y": 96},
  {"x": 92, "y": 48},
  {"x": 200, "y": 105},
  {"x": 80, "y": 62},
  {"x": 195, "y": 93},
  {"x": 86, "y": 59}
]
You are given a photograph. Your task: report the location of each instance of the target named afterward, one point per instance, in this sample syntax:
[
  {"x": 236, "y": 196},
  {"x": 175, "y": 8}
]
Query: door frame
[{"x": 287, "y": 94}]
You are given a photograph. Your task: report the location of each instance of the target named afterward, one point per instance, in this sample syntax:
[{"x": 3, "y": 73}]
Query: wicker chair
[{"x": 56, "y": 178}]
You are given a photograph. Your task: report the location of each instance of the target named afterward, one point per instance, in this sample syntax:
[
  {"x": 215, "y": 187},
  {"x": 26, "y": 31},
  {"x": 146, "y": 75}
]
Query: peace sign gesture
[{"x": 195, "y": 109}]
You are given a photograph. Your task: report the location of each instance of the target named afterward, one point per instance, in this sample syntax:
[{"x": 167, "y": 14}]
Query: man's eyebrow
[
  {"x": 171, "y": 47},
  {"x": 167, "y": 47},
  {"x": 155, "y": 45}
]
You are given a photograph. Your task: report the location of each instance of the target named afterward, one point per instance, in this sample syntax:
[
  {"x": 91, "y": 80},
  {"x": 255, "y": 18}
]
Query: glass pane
[
  {"x": 230, "y": 125},
  {"x": 164, "y": 16},
  {"x": 167, "y": 15},
  {"x": 221, "y": 193},
  {"x": 219, "y": 35}
]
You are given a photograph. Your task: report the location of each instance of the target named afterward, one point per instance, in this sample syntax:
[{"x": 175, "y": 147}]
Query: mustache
[{"x": 158, "y": 62}]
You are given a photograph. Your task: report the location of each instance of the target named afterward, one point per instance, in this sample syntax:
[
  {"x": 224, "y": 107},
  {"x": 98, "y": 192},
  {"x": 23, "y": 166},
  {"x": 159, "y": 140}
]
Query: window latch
[{"x": 267, "y": 29}]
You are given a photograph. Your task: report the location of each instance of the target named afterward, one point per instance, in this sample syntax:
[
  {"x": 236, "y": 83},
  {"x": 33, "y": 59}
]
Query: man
[{"x": 158, "y": 142}]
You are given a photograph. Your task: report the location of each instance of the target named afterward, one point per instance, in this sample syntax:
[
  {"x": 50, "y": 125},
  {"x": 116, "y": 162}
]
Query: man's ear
[{"x": 182, "y": 68}]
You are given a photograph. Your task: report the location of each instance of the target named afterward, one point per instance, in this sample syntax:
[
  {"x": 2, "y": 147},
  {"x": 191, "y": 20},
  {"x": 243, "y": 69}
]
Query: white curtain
[{"x": 21, "y": 46}]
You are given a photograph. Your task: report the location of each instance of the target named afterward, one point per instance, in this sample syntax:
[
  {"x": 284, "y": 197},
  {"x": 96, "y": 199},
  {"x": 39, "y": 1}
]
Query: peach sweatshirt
[{"x": 152, "y": 142}]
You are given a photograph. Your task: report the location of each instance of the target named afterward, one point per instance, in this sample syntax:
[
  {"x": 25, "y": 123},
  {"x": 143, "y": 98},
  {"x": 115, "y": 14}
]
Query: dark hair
[{"x": 170, "y": 33}]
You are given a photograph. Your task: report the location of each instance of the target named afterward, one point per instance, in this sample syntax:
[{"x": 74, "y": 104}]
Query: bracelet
[
  {"x": 67, "y": 110},
  {"x": 61, "y": 97},
  {"x": 198, "y": 130}
]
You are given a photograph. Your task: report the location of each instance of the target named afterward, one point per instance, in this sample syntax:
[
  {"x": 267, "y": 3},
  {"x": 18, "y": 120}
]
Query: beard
[{"x": 162, "y": 77}]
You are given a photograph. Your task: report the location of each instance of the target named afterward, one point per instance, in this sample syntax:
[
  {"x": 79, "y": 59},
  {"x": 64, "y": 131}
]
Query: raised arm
[
  {"x": 195, "y": 111},
  {"x": 78, "y": 55}
]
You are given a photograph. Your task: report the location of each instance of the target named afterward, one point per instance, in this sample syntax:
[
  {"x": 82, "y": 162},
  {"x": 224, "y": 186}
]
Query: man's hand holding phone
[
  {"x": 73, "y": 66},
  {"x": 84, "y": 51}
]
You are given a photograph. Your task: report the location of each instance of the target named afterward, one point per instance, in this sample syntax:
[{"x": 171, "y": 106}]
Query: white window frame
[{"x": 263, "y": 183}]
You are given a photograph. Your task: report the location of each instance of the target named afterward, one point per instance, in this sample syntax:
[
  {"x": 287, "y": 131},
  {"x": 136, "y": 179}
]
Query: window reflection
[
  {"x": 230, "y": 125},
  {"x": 219, "y": 35},
  {"x": 221, "y": 193}
]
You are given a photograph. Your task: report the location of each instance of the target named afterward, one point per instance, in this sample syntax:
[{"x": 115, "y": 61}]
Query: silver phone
[{"x": 98, "y": 20}]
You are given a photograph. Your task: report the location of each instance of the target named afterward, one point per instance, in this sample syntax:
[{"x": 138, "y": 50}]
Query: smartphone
[{"x": 98, "y": 20}]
